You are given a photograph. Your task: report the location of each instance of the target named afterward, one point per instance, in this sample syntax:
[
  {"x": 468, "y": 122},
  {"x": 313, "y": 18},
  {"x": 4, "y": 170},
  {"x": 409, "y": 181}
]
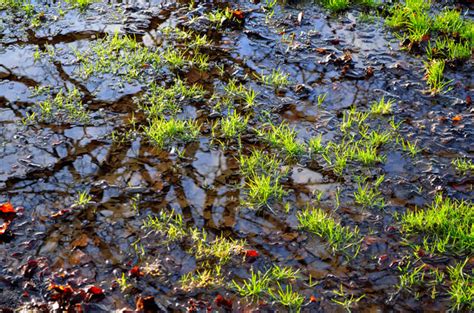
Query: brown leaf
[
  {"x": 321, "y": 50},
  {"x": 146, "y": 304},
  {"x": 457, "y": 118},
  {"x": 81, "y": 241}
]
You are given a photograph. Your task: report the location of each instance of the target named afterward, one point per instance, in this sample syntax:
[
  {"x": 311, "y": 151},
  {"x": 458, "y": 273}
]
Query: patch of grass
[
  {"x": 259, "y": 162},
  {"x": 283, "y": 273},
  {"x": 232, "y": 125},
  {"x": 203, "y": 278},
  {"x": 283, "y": 138},
  {"x": 461, "y": 289},
  {"x": 368, "y": 196},
  {"x": 446, "y": 225},
  {"x": 262, "y": 188},
  {"x": 410, "y": 147},
  {"x": 401, "y": 13},
  {"x": 335, "y": 5},
  {"x": 81, "y": 4},
  {"x": 117, "y": 54},
  {"x": 340, "y": 238},
  {"x": 315, "y": 144},
  {"x": 169, "y": 225},
  {"x": 218, "y": 17},
  {"x": 345, "y": 300},
  {"x": 276, "y": 79},
  {"x": 463, "y": 165},
  {"x": 163, "y": 132},
  {"x": 368, "y": 155},
  {"x": 64, "y": 106},
  {"x": 83, "y": 198},
  {"x": 220, "y": 248},
  {"x": 287, "y": 297},
  {"x": 123, "y": 282},
  {"x": 15, "y": 4},
  {"x": 382, "y": 107},
  {"x": 449, "y": 21},
  {"x": 254, "y": 287},
  {"x": 161, "y": 99},
  {"x": 450, "y": 50}
]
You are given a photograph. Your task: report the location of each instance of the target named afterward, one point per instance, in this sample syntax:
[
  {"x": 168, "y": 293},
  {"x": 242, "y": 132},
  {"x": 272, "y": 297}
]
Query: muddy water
[{"x": 44, "y": 165}]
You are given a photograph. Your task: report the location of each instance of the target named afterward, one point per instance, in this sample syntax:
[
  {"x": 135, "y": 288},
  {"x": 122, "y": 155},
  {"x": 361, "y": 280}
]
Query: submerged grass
[{"x": 65, "y": 106}]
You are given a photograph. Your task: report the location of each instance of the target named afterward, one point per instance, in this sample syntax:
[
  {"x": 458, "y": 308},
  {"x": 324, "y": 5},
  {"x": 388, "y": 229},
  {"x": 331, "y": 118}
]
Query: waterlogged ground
[{"x": 108, "y": 217}]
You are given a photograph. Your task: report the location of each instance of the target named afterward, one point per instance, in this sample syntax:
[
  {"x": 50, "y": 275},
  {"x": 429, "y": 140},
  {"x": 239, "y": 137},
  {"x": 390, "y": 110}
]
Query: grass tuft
[
  {"x": 340, "y": 238},
  {"x": 447, "y": 225}
]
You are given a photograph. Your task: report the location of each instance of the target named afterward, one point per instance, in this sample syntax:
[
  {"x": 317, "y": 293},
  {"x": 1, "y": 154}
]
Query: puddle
[{"x": 44, "y": 166}]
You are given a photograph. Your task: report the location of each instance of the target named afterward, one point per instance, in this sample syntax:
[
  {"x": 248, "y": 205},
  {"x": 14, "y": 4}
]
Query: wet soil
[{"x": 44, "y": 165}]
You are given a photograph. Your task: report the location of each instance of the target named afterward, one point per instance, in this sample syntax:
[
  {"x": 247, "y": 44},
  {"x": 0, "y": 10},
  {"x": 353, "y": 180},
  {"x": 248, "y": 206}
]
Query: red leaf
[
  {"x": 468, "y": 100},
  {"x": 313, "y": 299},
  {"x": 383, "y": 258},
  {"x": 135, "y": 272},
  {"x": 420, "y": 253},
  {"x": 221, "y": 301},
  {"x": 95, "y": 291},
  {"x": 7, "y": 207},
  {"x": 238, "y": 14},
  {"x": 251, "y": 253}
]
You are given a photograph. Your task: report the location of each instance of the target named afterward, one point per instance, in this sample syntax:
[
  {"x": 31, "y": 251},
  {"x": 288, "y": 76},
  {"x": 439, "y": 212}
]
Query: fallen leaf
[
  {"x": 238, "y": 14},
  {"x": 7, "y": 207},
  {"x": 457, "y": 118},
  {"x": 96, "y": 291},
  {"x": 468, "y": 100},
  {"x": 251, "y": 253},
  {"x": 221, "y": 301},
  {"x": 81, "y": 241},
  {"x": 321, "y": 50},
  {"x": 146, "y": 304},
  {"x": 369, "y": 72},
  {"x": 420, "y": 253},
  {"x": 62, "y": 289},
  {"x": 135, "y": 272},
  {"x": 79, "y": 257},
  {"x": 369, "y": 240},
  {"x": 383, "y": 258},
  {"x": 313, "y": 299}
]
